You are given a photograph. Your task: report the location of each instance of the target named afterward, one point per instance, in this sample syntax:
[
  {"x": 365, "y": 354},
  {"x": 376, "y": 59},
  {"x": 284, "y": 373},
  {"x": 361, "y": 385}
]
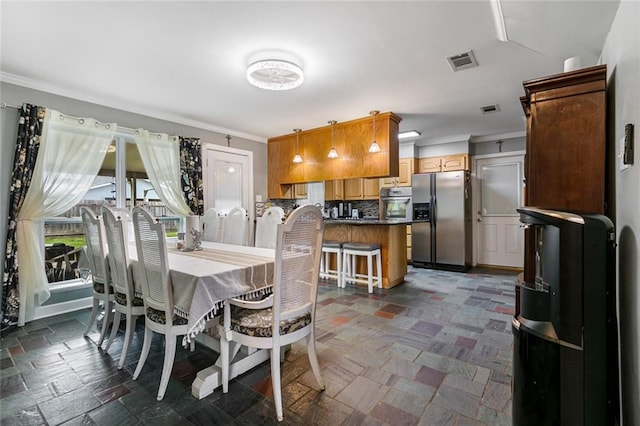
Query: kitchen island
[{"x": 390, "y": 234}]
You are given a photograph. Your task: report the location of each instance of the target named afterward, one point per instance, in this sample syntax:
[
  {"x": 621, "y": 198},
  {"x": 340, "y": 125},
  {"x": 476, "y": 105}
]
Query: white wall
[{"x": 621, "y": 53}]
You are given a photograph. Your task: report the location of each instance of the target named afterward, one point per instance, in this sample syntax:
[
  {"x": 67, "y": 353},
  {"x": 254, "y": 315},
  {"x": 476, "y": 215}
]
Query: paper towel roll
[{"x": 572, "y": 64}]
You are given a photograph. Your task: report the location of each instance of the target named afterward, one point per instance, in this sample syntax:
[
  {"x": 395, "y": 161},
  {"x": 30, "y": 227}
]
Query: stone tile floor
[{"x": 435, "y": 350}]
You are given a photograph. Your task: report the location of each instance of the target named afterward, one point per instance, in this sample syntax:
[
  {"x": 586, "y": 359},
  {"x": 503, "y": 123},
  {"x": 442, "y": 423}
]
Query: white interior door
[
  {"x": 229, "y": 181},
  {"x": 500, "y": 240}
]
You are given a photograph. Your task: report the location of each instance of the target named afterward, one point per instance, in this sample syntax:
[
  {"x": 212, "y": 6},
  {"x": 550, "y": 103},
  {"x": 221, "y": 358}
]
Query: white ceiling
[{"x": 186, "y": 61}]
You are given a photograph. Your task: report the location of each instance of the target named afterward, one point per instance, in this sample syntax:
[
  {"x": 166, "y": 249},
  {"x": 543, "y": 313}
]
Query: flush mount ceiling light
[
  {"x": 275, "y": 74},
  {"x": 297, "y": 158},
  {"x": 374, "y": 147},
  {"x": 409, "y": 134},
  {"x": 333, "y": 153}
]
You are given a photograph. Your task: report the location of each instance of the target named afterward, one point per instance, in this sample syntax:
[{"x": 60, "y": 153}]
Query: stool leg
[
  {"x": 370, "y": 272},
  {"x": 379, "y": 269},
  {"x": 339, "y": 271},
  {"x": 322, "y": 262}
]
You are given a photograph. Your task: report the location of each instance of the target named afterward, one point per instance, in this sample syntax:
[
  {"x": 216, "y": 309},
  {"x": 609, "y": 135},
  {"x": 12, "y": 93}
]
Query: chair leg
[
  {"x": 94, "y": 315},
  {"x": 167, "y": 366},
  {"x": 146, "y": 345},
  {"x": 108, "y": 307},
  {"x": 128, "y": 335},
  {"x": 339, "y": 271},
  {"x": 313, "y": 359},
  {"x": 275, "y": 381},
  {"x": 114, "y": 330}
]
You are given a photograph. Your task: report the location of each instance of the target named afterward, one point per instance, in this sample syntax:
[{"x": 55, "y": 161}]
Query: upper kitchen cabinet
[
  {"x": 446, "y": 163},
  {"x": 351, "y": 139},
  {"x": 334, "y": 190},
  {"x": 566, "y": 140},
  {"x": 361, "y": 189},
  {"x": 406, "y": 167}
]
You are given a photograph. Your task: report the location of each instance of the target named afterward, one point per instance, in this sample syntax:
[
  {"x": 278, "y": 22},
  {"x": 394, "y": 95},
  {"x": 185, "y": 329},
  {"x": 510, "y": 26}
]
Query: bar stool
[
  {"x": 350, "y": 253},
  {"x": 331, "y": 247}
]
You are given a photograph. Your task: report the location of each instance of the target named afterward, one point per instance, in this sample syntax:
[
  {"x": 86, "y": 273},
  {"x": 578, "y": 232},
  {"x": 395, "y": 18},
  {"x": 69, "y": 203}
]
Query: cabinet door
[
  {"x": 371, "y": 189},
  {"x": 389, "y": 182},
  {"x": 454, "y": 162},
  {"x": 334, "y": 190},
  {"x": 353, "y": 189},
  {"x": 406, "y": 169},
  {"x": 300, "y": 190},
  {"x": 429, "y": 165}
]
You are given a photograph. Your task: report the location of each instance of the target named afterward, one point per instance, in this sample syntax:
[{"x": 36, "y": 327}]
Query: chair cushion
[
  {"x": 257, "y": 322},
  {"x": 121, "y": 299},
  {"x": 99, "y": 287},
  {"x": 159, "y": 317}
]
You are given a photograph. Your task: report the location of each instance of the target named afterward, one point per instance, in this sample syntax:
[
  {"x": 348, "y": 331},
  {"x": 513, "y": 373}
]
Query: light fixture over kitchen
[
  {"x": 408, "y": 134},
  {"x": 275, "y": 74},
  {"x": 374, "y": 147},
  {"x": 297, "y": 158},
  {"x": 333, "y": 153}
]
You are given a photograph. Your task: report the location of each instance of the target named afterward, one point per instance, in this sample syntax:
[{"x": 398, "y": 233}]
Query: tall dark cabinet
[
  {"x": 566, "y": 145},
  {"x": 565, "y": 368}
]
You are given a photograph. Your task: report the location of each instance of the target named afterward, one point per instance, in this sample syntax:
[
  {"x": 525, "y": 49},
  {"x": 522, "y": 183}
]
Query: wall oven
[{"x": 395, "y": 203}]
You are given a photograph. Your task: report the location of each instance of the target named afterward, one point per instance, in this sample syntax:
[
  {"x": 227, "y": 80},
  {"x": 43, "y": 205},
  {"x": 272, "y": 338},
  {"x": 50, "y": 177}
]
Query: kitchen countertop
[{"x": 358, "y": 222}]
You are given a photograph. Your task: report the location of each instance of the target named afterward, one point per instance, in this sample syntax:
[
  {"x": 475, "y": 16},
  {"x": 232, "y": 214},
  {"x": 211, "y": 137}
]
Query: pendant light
[
  {"x": 374, "y": 147},
  {"x": 333, "y": 153},
  {"x": 297, "y": 158}
]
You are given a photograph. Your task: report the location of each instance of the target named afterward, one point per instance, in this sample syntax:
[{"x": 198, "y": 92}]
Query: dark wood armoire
[{"x": 566, "y": 146}]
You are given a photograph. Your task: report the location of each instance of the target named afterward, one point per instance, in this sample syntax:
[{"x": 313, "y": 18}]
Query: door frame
[
  {"x": 476, "y": 193},
  {"x": 247, "y": 179}
]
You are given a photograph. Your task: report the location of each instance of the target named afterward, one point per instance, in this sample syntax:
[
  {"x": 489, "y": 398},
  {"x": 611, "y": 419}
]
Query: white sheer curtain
[
  {"x": 71, "y": 153},
  {"x": 160, "y": 155}
]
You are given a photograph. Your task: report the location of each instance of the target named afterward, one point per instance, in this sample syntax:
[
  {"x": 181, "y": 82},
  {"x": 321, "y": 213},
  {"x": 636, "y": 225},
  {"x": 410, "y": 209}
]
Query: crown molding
[
  {"x": 491, "y": 138},
  {"x": 124, "y": 106}
]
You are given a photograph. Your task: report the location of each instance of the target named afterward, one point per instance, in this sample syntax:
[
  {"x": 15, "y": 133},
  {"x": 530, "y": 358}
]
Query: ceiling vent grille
[
  {"x": 462, "y": 61},
  {"x": 490, "y": 109}
]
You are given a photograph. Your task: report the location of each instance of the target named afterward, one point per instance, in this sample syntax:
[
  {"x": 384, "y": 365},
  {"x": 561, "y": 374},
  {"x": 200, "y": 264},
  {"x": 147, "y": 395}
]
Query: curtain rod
[{"x": 120, "y": 130}]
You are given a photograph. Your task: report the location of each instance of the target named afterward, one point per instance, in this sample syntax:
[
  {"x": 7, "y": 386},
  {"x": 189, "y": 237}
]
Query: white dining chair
[
  {"x": 267, "y": 227},
  {"x": 153, "y": 273},
  {"x": 287, "y": 315},
  {"x": 97, "y": 256},
  {"x": 116, "y": 229},
  {"x": 234, "y": 226},
  {"x": 210, "y": 225}
]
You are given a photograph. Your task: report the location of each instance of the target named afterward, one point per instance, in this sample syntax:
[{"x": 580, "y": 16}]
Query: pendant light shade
[
  {"x": 374, "y": 147},
  {"x": 333, "y": 153},
  {"x": 297, "y": 158}
]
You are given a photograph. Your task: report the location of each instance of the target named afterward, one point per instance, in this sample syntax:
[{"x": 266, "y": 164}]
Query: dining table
[{"x": 202, "y": 280}]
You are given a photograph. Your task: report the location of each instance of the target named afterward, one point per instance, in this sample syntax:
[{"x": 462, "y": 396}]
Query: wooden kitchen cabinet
[
  {"x": 566, "y": 151},
  {"x": 445, "y": 163},
  {"x": 361, "y": 189},
  {"x": 406, "y": 167},
  {"x": 334, "y": 189},
  {"x": 300, "y": 190},
  {"x": 292, "y": 192}
]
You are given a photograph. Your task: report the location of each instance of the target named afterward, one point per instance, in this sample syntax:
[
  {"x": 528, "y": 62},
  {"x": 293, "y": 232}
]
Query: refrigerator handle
[{"x": 434, "y": 210}]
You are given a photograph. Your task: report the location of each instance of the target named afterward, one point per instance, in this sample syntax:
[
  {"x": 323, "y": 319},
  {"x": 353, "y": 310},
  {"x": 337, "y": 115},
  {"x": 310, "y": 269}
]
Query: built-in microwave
[{"x": 395, "y": 203}]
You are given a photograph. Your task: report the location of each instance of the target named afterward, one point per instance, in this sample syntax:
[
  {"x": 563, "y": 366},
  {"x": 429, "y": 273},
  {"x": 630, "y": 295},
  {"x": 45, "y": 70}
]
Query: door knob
[{"x": 479, "y": 219}]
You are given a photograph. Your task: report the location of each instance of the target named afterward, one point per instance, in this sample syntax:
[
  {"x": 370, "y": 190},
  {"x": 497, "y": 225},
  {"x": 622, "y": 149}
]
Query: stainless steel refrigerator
[{"x": 441, "y": 230}]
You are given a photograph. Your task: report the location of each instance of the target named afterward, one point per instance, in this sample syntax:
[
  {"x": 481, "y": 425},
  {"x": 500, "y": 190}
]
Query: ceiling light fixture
[
  {"x": 297, "y": 158},
  {"x": 275, "y": 74},
  {"x": 409, "y": 134},
  {"x": 374, "y": 147},
  {"x": 333, "y": 153}
]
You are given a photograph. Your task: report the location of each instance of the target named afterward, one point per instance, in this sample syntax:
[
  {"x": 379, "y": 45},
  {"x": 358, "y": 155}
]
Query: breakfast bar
[{"x": 390, "y": 234}]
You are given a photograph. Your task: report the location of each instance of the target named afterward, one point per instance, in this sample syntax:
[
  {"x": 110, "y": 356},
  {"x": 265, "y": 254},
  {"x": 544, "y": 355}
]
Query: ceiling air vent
[
  {"x": 490, "y": 109},
  {"x": 462, "y": 61}
]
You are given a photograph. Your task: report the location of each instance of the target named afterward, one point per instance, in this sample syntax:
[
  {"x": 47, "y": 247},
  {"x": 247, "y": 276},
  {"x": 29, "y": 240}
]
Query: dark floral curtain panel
[
  {"x": 191, "y": 174},
  {"x": 27, "y": 146}
]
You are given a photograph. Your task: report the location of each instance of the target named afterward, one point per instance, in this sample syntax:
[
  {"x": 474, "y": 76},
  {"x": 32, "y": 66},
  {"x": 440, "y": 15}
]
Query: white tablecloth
[{"x": 202, "y": 280}]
